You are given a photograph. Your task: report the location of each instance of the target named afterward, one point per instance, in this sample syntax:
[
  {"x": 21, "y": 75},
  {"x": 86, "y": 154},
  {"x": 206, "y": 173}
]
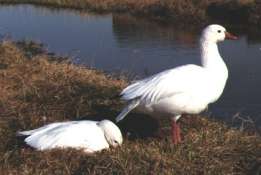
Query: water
[{"x": 120, "y": 43}]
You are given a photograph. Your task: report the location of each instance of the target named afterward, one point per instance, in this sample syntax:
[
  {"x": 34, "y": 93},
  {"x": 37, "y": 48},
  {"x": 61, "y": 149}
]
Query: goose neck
[{"x": 210, "y": 56}]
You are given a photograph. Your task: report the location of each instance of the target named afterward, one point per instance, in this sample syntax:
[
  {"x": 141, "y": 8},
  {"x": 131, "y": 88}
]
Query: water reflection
[
  {"x": 131, "y": 30},
  {"x": 156, "y": 46},
  {"x": 128, "y": 44}
]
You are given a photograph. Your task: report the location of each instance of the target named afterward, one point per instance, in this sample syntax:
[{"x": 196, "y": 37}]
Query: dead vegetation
[
  {"x": 35, "y": 90},
  {"x": 185, "y": 11}
]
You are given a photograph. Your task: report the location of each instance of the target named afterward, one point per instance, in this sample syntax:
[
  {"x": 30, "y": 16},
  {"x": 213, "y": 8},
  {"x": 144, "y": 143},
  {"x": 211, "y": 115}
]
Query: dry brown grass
[
  {"x": 35, "y": 91},
  {"x": 185, "y": 11}
]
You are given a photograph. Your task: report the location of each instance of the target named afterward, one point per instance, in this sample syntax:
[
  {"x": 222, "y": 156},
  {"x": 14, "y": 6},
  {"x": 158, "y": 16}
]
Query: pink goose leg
[{"x": 175, "y": 131}]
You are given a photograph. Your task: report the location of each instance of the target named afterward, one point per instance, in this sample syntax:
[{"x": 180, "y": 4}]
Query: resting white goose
[
  {"x": 91, "y": 136},
  {"x": 185, "y": 89}
]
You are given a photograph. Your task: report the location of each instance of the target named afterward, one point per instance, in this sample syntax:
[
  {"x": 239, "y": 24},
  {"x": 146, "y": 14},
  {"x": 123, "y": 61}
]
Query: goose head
[
  {"x": 111, "y": 132},
  {"x": 216, "y": 33}
]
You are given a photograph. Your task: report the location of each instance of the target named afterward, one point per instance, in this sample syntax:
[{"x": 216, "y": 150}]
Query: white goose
[
  {"x": 185, "y": 89},
  {"x": 91, "y": 136}
]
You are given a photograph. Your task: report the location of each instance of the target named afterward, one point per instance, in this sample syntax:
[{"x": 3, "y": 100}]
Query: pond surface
[{"x": 121, "y": 43}]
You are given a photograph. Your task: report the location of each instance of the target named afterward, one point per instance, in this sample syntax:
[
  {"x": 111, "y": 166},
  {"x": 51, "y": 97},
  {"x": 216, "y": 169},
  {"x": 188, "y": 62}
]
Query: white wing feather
[
  {"x": 165, "y": 84},
  {"x": 41, "y": 129}
]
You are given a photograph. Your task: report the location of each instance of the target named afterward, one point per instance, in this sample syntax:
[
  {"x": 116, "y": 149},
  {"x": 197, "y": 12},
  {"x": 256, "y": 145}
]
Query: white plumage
[
  {"x": 91, "y": 136},
  {"x": 186, "y": 89}
]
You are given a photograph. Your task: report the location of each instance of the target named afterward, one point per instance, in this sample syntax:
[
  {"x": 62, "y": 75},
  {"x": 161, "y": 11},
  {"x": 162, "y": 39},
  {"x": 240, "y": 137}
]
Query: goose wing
[{"x": 183, "y": 79}]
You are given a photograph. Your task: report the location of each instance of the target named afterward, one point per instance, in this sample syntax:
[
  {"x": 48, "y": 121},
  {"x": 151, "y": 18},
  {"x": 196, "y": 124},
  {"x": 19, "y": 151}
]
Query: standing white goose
[
  {"x": 91, "y": 136},
  {"x": 185, "y": 89}
]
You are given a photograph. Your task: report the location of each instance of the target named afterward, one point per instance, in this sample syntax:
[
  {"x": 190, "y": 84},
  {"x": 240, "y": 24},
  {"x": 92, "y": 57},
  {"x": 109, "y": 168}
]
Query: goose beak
[{"x": 230, "y": 36}]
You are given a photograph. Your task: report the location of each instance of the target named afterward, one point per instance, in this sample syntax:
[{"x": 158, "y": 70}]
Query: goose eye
[
  {"x": 219, "y": 31},
  {"x": 114, "y": 141}
]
